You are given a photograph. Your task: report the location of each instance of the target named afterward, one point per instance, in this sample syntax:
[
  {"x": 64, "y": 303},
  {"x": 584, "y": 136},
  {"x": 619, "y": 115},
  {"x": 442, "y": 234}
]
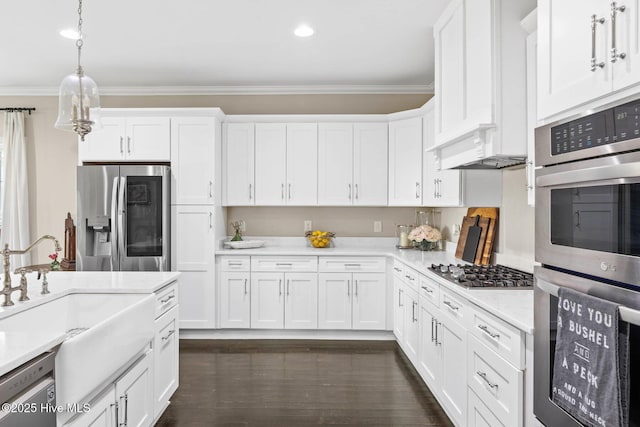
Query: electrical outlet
[
  {"x": 243, "y": 225},
  {"x": 308, "y": 225},
  {"x": 377, "y": 226}
]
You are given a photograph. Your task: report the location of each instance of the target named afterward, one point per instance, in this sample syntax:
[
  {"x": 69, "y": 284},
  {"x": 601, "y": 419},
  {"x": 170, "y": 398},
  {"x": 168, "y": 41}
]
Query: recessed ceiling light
[
  {"x": 303, "y": 30},
  {"x": 70, "y": 33}
]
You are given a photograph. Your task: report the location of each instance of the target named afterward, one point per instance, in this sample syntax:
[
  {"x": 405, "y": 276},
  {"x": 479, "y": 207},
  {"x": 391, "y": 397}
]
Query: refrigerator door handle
[
  {"x": 114, "y": 222},
  {"x": 121, "y": 220}
]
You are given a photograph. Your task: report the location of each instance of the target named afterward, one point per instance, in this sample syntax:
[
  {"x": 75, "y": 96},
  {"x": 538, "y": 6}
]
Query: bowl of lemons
[{"x": 319, "y": 238}]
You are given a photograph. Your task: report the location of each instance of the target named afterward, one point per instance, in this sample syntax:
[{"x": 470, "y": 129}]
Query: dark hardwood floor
[{"x": 298, "y": 383}]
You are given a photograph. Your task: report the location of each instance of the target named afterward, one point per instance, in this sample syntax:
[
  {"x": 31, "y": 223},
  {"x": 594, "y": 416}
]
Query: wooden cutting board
[
  {"x": 467, "y": 222},
  {"x": 492, "y": 214}
]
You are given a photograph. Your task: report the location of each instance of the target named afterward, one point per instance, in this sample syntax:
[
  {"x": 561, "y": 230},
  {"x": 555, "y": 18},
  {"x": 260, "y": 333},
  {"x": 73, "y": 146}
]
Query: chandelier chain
[{"x": 79, "y": 41}]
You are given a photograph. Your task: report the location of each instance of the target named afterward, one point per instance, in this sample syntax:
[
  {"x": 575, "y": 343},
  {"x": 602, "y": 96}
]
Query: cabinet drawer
[
  {"x": 429, "y": 290},
  {"x": 354, "y": 264},
  {"x": 453, "y": 306},
  {"x": 240, "y": 263},
  {"x": 166, "y": 298},
  {"x": 506, "y": 340},
  {"x": 498, "y": 384},
  {"x": 478, "y": 415},
  {"x": 299, "y": 263},
  {"x": 398, "y": 269}
]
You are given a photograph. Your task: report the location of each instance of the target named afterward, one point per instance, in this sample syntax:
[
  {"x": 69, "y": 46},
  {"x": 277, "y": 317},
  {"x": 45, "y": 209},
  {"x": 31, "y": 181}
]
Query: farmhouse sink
[{"x": 104, "y": 332}]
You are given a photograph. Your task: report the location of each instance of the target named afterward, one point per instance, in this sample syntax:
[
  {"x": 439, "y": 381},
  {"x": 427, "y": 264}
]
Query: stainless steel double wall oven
[{"x": 587, "y": 232}]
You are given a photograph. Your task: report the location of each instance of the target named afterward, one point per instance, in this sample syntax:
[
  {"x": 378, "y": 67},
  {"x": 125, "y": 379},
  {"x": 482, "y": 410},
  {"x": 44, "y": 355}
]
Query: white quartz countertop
[
  {"x": 18, "y": 347},
  {"x": 513, "y": 306}
]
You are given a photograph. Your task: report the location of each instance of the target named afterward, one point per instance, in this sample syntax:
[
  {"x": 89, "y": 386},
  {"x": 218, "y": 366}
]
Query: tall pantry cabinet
[{"x": 195, "y": 213}]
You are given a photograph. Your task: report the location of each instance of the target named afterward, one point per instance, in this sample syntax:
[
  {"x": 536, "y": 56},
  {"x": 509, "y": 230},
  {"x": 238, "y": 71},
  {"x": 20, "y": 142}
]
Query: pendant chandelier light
[{"x": 79, "y": 101}]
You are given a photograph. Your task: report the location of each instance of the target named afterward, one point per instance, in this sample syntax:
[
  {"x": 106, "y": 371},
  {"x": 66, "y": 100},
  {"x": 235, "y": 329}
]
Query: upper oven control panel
[{"x": 606, "y": 127}]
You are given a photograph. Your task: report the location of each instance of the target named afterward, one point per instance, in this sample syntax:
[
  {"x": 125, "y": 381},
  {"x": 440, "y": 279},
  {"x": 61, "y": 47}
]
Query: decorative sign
[{"x": 590, "y": 364}]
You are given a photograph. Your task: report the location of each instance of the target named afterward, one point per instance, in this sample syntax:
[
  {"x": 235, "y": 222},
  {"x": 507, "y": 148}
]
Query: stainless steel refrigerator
[{"x": 123, "y": 219}]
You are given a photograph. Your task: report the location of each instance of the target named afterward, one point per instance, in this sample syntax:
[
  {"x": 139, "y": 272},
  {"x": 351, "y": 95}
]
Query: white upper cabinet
[
  {"x": 128, "y": 139},
  {"x": 238, "y": 154},
  {"x": 335, "y": 164},
  {"x": 352, "y": 164},
  {"x": 302, "y": 164},
  {"x": 270, "y": 155},
  {"x": 192, "y": 160},
  {"x": 370, "y": 145},
  {"x": 405, "y": 162},
  {"x": 480, "y": 83},
  {"x": 587, "y": 49},
  {"x": 286, "y": 164}
]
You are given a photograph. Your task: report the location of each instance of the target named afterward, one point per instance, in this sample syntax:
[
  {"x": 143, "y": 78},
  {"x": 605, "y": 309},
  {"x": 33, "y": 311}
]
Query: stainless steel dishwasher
[{"x": 28, "y": 394}]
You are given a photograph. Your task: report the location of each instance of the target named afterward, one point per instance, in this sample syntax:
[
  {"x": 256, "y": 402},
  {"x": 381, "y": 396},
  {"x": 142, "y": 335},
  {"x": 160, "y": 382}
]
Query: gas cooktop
[{"x": 484, "y": 276}]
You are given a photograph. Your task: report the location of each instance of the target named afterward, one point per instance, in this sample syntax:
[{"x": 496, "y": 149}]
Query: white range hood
[{"x": 483, "y": 147}]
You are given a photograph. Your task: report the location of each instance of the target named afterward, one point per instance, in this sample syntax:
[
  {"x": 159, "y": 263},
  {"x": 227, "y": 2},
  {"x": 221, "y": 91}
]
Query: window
[{"x": 1, "y": 177}]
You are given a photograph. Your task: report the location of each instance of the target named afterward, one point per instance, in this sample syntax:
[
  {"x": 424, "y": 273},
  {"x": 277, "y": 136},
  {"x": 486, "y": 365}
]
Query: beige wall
[{"x": 52, "y": 153}]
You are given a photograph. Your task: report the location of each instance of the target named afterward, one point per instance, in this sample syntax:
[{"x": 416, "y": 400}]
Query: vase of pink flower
[{"x": 425, "y": 237}]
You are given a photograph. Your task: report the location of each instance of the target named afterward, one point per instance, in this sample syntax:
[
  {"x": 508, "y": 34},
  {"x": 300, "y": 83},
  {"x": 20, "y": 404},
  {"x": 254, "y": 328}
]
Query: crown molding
[{"x": 229, "y": 90}]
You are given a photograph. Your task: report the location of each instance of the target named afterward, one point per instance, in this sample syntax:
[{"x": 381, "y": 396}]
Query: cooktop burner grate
[{"x": 484, "y": 277}]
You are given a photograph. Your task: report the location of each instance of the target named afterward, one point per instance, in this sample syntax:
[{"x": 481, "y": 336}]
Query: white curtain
[{"x": 15, "y": 197}]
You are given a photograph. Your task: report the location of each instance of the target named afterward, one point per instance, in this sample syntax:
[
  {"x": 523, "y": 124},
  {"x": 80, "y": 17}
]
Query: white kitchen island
[{"x": 115, "y": 338}]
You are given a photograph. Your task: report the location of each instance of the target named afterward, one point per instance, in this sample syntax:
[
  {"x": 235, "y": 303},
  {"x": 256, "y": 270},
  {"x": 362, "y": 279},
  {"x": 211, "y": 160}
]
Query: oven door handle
[
  {"x": 596, "y": 173},
  {"x": 627, "y": 314}
]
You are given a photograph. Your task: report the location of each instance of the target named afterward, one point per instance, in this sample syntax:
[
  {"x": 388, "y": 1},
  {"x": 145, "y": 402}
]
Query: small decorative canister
[{"x": 402, "y": 233}]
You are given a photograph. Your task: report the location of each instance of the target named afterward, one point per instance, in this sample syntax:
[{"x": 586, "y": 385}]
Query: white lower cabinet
[
  {"x": 284, "y": 300},
  {"x": 103, "y": 413},
  {"x": 165, "y": 372},
  {"x": 127, "y": 402},
  {"x": 352, "y": 293},
  {"x": 193, "y": 250},
  {"x": 235, "y": 300},
  {"x": 473, "y": 361}
]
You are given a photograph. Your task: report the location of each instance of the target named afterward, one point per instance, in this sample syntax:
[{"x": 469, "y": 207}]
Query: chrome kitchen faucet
[{"x": 7, "y": 290}]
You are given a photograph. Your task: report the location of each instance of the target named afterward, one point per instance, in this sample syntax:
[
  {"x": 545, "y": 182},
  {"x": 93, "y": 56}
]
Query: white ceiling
[{"x": 218, "y": 46}]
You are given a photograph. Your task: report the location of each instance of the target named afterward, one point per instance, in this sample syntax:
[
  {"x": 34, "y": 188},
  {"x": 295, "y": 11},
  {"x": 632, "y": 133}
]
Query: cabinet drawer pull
[
  {"x": 594, "y": 62},
  {"x": 433, "y": 319},
  {"x": 429, "y": 291},
  {"x": 417, "y": 190},
  {"x": 349, "y": 192},
  {"x": 282, "y": 191},
  {"x": 352, "y": 265},
  {"x": 453, "y": 307},
  {"x": 210, "y": 220},
  {"x": 121, "y": 141},
  {"x": 283, "y": 264},
  {"x": 413, "y": 312},
  {"x": 287, "y": 287},
  {"x": 211, "y": 189},
  {"x": 348, "y": 286},
  {"x": 234, "y": 264},
  {"x": 280, "y": 287},
  {"x": 357, "y": 192},
  {"x": 129, "y": 144},
  {"x": 167, "y": 299},
  {"x": 166, "y": 337},
  {"x": 437, "y": 324},
  {"x": 245, "y": 286},
  {"x": 483, "y": 375},
  {"x": 356, "y": 283},
  {"x": 485, "y": 329},
  {"x": 400, "y": 298},
  {"x": 397, "y": 269},
  {"x": 409, "y": 277}
]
